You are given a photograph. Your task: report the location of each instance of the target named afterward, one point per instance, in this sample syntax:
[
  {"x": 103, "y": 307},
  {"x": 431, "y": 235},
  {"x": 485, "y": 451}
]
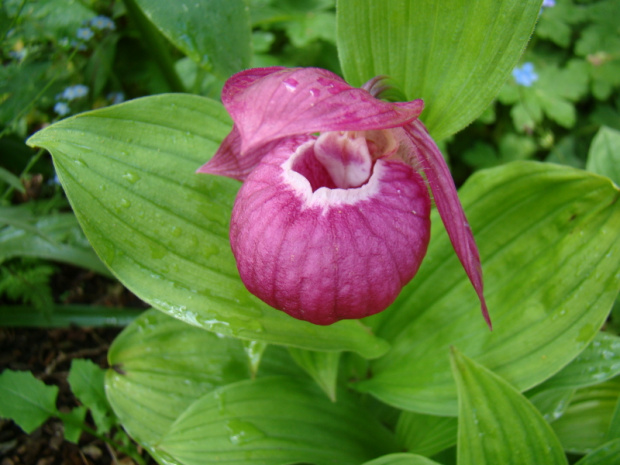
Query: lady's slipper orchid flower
[{"x": 332, "y": 219}]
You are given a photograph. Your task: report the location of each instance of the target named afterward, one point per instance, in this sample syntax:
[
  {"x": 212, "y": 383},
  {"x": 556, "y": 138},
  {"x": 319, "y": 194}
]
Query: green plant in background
[
  {"x": 213, "y": 374},
  {"x": 30, "y": 402},
  {"x": 574, "y": 57}
]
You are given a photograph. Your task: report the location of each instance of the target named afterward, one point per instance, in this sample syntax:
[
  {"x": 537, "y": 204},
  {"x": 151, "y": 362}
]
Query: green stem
[
  {"x": 119, "y": 447},
  {"x": 35, "y": 158},
  {"x": 27, "y": 107},
  {"x": 200, "y": 77},
  {"x": 13, "y": 20},
  {"x": 155, "y": 44}
]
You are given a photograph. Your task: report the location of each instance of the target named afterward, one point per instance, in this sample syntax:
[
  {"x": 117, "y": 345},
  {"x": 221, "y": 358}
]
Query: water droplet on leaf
[
  {"x": 131, "y": 177},
  {"x": 241, "y": 432}
]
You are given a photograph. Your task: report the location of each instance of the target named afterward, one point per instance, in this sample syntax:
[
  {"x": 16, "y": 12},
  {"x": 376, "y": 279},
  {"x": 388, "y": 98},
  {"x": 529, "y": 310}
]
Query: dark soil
[{"x": 48, "y": 354}]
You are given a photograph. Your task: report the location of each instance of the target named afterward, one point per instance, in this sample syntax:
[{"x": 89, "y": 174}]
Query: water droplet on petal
[{"x": 290, "y": 84}]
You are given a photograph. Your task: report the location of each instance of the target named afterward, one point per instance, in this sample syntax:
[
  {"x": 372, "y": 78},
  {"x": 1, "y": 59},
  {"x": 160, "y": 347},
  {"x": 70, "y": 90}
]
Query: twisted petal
[
  {"x": 228, "y": 162},
  {"x": 330, "y": 254},
  {"x": 449, "y": 206},
  {"x": 271, "y": 103}
]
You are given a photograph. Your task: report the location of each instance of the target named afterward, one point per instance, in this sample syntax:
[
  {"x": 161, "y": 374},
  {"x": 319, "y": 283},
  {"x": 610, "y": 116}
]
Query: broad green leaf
[
  {"x": 604, "y": 156},
  {"x": 552, "y": 403},
  {"x": 426, "y": 434},
  {"x": 53, "y": 237},
  {"x": 614, "y": 425},
  {"x": 26, "y": 400},
  {"x": 275, "y": 420},
  {"x": 584, "y": 425},
  {"x": 599, "y": 362},
  {"x": 548, "y": 243},
  {"x": 160, "y": 365},
  {"x": 213, "y": 33},
  {"x": 402, "y": 459},
  {"x": 607, "y": 454},
  {"x": 496, "y": 423},
  {"x": 87, "y": 383},
  {"x": 454, "y": 54},
  {"x": 321, "y": 366},
  {"x": 129, "y": 173}
]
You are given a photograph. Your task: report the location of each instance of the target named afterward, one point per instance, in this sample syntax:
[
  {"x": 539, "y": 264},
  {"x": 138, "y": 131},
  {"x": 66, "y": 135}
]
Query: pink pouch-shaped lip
[{"x": 278, "y": 110}]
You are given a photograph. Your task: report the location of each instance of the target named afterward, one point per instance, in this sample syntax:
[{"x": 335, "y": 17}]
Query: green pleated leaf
[
  {"x": 160, "y": 365},
  {"x": 547, "y": 236},
  {"x": 585, "y": 424},
  {"x": 552, "y": 403},
  {"x": 426, "y": 434},
  {"x": 254, "y": 351},
  {"x": 402, "y": 459},
  {"x": 607, "y": 454},
  {"x": 129, "y": 173},
  {"x": 614, "y": 425},
  {"x": 496, "y": 423},
  {"x": 599, "y": 362},
  {"x": 26, "y": 400},
  {"x": 454, "y": 54},
  {"x": 214, "y": 33},
  {"x": 604, "y": 156},
  {"x": 321, "y": 366},
  {"x": 54, "y": 237},
  {"x": 272, "y": 421}
]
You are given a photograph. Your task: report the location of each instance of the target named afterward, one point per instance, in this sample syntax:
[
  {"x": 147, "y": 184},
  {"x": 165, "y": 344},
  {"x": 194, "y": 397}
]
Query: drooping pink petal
[
  {"x": 229, "y": 161},
  {"x": 329, "y": 254},
  {"x": 448, "y": 205},
  {"x": 226, "y": 161},
  {"x": 269, "y": 104},
  {"x": 244, "y": 79}
]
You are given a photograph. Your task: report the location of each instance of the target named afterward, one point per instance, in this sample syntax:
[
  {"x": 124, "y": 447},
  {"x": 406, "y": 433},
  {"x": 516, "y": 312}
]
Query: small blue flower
[
  {"x": 85, "y": 33},
  {"x": 548, "y": 3},
  {"x": 74, "y": 92},
  {"x": 525, "y": 75},
  {"x": 18, "y": 55},
  {"x": 61, "y": 108},
  {"x": 102, "y": 22},
  {"x": 116, "y": 97}
]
